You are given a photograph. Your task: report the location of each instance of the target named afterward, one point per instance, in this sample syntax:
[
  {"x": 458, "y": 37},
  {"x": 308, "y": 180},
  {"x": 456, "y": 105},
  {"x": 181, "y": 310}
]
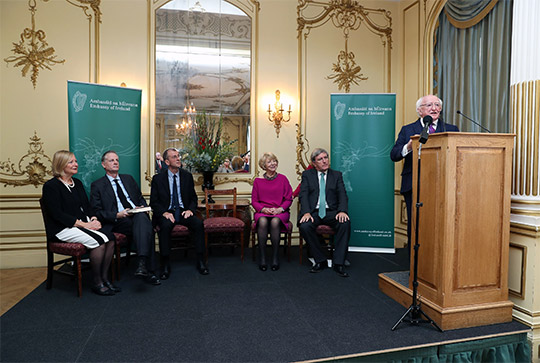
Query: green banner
[
  {"x": 104, "y": 118},
  {"x": 363, "y": 128}
]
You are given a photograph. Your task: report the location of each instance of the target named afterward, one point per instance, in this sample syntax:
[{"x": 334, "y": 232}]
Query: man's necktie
[
  {"x": 175, "y": 202},
  {"x": 322, "y": 197},
  {"x": 122, "y": 196},
  {"x": 431, "y": 129}
]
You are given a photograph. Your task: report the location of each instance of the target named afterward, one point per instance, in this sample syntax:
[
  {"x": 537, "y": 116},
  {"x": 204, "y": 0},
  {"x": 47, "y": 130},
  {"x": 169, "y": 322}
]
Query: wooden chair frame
[
  {"x": 75, "y": 259},
  {"x": 211, "y": 206}
]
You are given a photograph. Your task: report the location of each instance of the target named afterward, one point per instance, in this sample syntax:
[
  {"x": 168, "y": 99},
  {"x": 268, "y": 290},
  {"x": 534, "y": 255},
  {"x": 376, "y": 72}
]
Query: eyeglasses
[{"x": 429, "y": 105}]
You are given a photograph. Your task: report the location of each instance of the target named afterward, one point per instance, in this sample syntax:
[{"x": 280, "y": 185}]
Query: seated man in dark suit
[
  {"x": 327, "y": 205},
  {"x": 174, "y": 201},
  {"x": 427, "y": 105},
  {"x": 114, "y": 198}
]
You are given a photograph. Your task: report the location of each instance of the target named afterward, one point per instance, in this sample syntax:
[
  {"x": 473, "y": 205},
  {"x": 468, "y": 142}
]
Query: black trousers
[
  {"x": 139, "y": 228},
  {"x": 341, "y": 238},
  {"x": 195, "y": 226}
]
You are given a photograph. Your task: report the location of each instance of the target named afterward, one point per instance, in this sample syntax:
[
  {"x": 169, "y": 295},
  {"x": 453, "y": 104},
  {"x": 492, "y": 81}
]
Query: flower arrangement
[{"x": 204, "y": 149}]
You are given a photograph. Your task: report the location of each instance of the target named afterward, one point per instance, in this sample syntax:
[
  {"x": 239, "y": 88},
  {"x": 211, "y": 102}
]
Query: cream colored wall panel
[
  {"x": 124, "y": 58},
  {"x": 529, "y": 243},
  {"x": 320, "y": 44},
  {"x": 21, "y": 220},
  {"x": 516, "y": 271},
  {"x": 411, "y": 66},
  {"x": 277, "y": 69},
  {"x": 24, "y": 258},
  {"x": 43, "y": 109}
]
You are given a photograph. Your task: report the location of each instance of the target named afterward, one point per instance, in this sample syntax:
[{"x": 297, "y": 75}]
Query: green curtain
[
  {"x": 472, "y": 65},
  {"x": 510, "y": 348}
]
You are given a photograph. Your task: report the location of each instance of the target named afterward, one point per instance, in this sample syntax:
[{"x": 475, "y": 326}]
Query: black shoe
[
  {"x": 318, "y": 267},
  {"x": 341, "y": 270},
  {"x": 153, "y": 280},
  {"x": 112, "y": 287},
  {"x": 102, "y": 290},
  {"x": 201, "y": 267},
  {"x": 263, "y": 267},
  {"x": 275, "y": 267},
  {"x": 141, "y": 269},
  {"x": 165, "y": 272}
]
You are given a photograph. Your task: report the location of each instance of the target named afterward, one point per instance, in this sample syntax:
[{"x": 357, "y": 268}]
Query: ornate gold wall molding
[
  {"x": 33, "y": 168},
  {"x": 32, "y": 51},
  {"x": 93, "y": 33},
  {"x": 347, "y": 15},
  {"x": 86, "y": 5}
]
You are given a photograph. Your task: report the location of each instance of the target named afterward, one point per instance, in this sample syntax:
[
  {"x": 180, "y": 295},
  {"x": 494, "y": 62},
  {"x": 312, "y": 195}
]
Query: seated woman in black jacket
[{"x": 70, "y": 218}]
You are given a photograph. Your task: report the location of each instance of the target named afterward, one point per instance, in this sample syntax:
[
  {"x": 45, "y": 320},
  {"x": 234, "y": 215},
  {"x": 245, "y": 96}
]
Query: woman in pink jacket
[{"x": 271, "y": 198}]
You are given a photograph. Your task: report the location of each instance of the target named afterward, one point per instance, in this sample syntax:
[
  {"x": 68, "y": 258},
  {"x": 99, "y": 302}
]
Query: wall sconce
[{"x": 276, "y": 117}]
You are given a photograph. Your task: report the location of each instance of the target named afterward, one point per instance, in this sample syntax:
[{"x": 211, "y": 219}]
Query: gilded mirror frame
[{"x": 251, "y": 8}]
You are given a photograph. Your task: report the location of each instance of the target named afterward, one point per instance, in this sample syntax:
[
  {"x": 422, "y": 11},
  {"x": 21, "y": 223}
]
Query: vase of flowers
[
  {"x": 208, "y": 183},
  {"x": 204, "y": 149}
]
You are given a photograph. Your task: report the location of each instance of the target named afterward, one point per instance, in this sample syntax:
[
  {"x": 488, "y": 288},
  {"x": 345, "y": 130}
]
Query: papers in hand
[{"x": 139, "y": 210}]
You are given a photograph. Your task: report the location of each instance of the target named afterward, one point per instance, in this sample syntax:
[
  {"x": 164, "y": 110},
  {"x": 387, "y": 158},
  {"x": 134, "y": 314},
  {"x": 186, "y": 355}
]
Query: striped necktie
[{"x": 122, "y": 196}]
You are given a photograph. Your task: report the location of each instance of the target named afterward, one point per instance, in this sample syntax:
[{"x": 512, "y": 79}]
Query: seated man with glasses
[{"x": 427, "y": 105}]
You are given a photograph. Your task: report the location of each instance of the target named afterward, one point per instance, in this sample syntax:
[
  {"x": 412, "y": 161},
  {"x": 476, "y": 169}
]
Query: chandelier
[{"x": 184, "y": 125}]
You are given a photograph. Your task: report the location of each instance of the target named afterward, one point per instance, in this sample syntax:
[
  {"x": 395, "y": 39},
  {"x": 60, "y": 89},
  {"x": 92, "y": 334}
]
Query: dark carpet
[{"x": 235, "y": 314}]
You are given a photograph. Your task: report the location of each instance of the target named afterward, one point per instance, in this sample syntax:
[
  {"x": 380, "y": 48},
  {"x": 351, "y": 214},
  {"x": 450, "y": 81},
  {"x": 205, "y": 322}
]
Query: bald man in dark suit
[{"x": 113, "y": 197}]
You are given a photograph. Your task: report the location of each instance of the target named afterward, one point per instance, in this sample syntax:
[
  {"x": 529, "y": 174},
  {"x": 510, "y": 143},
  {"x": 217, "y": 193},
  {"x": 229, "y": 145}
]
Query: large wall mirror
[{"x": 203, "y": 60}]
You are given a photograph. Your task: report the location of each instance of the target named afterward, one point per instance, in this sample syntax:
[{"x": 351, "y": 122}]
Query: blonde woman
[
  {"x": 271, "y": 197},
  {"x": 70, "y": 218}
]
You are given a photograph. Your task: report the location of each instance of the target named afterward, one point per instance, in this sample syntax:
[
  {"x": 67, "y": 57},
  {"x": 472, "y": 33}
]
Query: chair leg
[
  {"x": 79, "y": 276},
  {"x": 50, "y": 266}
]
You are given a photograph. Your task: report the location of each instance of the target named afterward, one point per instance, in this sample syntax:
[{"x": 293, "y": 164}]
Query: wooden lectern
[{"x": 464, "y": 229}]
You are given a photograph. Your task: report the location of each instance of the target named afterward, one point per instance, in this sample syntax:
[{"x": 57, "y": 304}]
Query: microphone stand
[
  {"x": 474, "y": 122},
  {"x": 415, "y": 310}
]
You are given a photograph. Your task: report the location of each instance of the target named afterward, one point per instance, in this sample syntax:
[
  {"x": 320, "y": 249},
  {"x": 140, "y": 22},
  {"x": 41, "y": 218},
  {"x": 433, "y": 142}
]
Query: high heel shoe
[
  {"x": 275, "y": 267},
  {"x": 263, "y": 267}
]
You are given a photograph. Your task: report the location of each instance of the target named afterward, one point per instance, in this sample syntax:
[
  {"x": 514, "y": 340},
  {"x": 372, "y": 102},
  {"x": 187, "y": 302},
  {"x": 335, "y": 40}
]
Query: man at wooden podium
[{"x": 428, "y": 105}]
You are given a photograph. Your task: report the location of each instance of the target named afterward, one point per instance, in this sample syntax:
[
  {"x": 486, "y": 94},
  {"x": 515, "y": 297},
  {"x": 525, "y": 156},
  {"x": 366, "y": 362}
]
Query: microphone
[
  {"x": 244, "y": 154},
  {"x": 425, "y": 133},
  {"x": 474, "y": 122}
]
